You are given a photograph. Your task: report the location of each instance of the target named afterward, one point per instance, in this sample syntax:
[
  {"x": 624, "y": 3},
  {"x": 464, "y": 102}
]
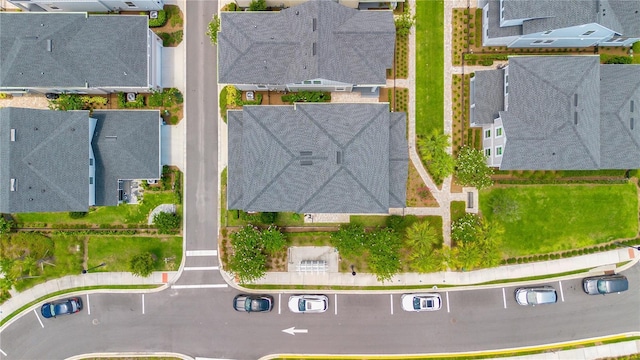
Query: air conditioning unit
[
  {"x": 131, "y": 97},
  {"x": 153, "y": 14}
]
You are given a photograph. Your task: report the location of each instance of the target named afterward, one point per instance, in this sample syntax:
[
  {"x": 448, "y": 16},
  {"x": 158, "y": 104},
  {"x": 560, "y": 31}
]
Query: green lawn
[
  {"x": 429, "y": 66},
  {"x": 561, "y": 217},
  {"x": 103, "y": 215},
  {"x": 116, "y": 251}
]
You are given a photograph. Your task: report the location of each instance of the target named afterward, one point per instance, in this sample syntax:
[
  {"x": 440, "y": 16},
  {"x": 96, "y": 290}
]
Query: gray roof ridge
[
  {"x": 366, "y": 190},
  {"x": 366, "y": 126},
  {"x": 618, "y": 114},
  {"x": 273, "y": 180},
  {"x": 320, "y": 188},
  {"x": 320, "y": 127},
  {"x": 536, "y": 75},
  {"x": 266, "y": 129},
  {"x": 596, "y": 162}
]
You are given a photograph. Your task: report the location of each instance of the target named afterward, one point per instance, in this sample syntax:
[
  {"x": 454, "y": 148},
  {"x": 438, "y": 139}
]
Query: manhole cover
[{"x": 95, "y": 322}]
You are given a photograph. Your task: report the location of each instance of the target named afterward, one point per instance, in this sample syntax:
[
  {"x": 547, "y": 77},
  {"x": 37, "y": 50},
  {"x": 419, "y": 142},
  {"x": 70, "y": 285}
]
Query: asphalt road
[
  {"x": 201, "y": 179},
  {"x": 201, "y": 322}
]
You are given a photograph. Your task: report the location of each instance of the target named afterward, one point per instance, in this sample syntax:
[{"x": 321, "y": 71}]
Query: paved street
[{"x": 201, "y": 322}]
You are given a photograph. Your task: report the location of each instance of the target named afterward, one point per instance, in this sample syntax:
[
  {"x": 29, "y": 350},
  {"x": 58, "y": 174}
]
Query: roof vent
[
  {"x": 306, "y": 162},
  {"x": 306, "y": 153},
  {"x": 13, "y": 134},
  {"x": 575, "y": 118},
  {"x": 13, "y": 184},
  {"x": 314, "y": 48},
  {"x": 49, "y": 45},
  {"x": 339, "y": 157},
  {"x": 315, "y": 24},
  {"x": 111, "y": 137},
  {"x": 297, "y": 12},
  {"x": 575, "y": 100},
  {"x": 631, "y": 123},
  {"x": 631, "y": 106}
]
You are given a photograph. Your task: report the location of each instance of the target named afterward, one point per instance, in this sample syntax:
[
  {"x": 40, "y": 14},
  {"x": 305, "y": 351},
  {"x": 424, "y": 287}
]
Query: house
[
  {"x": 54, "y": 161},
  {"x": 317, "y": 158},
  {"x": 78, "y": 53},
  {"x": 558, "y": 113},
  {"x": 315, "y": 46},
  {"x": 88, "y": 5},
  {"x": 355, "y": 4},
  {"x": 560, "y": 24}
]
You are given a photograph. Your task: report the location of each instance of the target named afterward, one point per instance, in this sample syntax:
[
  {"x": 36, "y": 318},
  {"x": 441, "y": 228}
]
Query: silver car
[
  {"x": 536, "y": 295},
  {"x": 421, "y": 302},
  {"x": 308, "y": 303},
  {"x": 605, "y": 284}
]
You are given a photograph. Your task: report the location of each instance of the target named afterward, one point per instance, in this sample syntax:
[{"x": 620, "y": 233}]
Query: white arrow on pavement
[{"x": 292, "y": 331}]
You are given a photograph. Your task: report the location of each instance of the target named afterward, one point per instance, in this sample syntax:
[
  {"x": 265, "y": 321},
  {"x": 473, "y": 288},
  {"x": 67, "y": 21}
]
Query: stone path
[{"x": 33, "y": 101}]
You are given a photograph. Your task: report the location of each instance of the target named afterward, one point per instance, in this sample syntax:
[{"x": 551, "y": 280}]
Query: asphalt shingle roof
[
  {"x": 487, "y": 92},
  {"x": 126, "y": 145},
  {"x": 323, "y": 158},
  {"x": 351, "y": 46},
  {"x": 49, "y": 160},
  {"x": 93, "y": 51}
]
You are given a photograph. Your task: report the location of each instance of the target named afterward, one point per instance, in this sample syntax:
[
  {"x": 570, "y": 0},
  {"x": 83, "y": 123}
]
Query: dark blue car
[
  {"x": 253, "y": 303},
  {"x": 61, "y": 307}
]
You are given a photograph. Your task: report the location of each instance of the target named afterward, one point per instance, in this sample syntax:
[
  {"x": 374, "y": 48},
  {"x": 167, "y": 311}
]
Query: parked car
[
  {"x": 61, "y": 307},
  {"x": 536, "y": 295},
  {"x": 605, "y": 284},
  {"x": 421, "y": 302},
  {"x": 308, "y": 303},
  {"x": 253, "y": 303}
]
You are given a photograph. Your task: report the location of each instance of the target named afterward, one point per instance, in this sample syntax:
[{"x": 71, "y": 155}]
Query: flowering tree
[{"x": 471, "y": 168}]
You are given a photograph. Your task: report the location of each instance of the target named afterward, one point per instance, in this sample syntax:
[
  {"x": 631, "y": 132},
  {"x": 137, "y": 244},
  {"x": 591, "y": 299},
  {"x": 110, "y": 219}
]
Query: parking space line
[
  {"x": 88, "y": 306},
  {"x": 448, "y": 310},
  {"x": 35, "y": 312},
  {"x": 561, "y": 292},
  {"x": 3, "y": 353},
  {"x": 335, "y": 303},
  {"x": 279, "y": 302},
  {"x": 142, "y": 304},
  {"x": 391, "y": 295},
  {"x": 504, "y": 298}
]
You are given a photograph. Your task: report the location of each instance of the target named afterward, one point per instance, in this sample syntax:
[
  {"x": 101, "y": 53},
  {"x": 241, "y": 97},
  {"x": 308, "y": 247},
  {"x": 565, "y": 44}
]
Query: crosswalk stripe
[
  {"x": 194, "y": 268},
  {"x": 204, "y": 286},
  {"x": 202, "y": 252}
]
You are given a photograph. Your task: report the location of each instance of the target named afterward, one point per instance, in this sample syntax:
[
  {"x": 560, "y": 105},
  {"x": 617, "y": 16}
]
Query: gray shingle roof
[
  {"x": 326, "y": 158},
  {"x": 126, "y": 145},
  {"x": 494, "y": 30},
  {"x": 49, "y": 160},
  {"x": 97, "y": 50},
  {"x": 487, "y": 92},
  {"x": 352, "y": 46},
  {"x": 622, "y": 16}
]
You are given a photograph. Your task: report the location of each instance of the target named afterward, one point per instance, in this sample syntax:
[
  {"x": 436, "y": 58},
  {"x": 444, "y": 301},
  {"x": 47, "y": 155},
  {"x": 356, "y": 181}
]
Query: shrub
[
  {"x": 167, "y": 223},
  {"x": 160, "y": 21},
  {"x": 268, "y": 217},
  {"x": 142, "y": 264},
  {"x": 213, "y": 28},
  {"x": 307, "y": 96},
  {"x": 619, "y": 60},
  {"x": 258, "y": 5},
  {"x": 77, "y": 214}
]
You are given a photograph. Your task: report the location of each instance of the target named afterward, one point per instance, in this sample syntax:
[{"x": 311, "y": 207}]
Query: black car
[
  {"x": 605, "y": 284},
  {"x": 253, "y": 303},
  {"x": 52, "y": 96},
  {"x": 61, "y": 307}
]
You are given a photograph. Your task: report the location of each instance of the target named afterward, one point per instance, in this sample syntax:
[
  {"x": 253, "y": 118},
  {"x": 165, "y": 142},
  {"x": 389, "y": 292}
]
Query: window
[
  {"x": 317, "y": 82},
  {"x": 90, "y": 162},
  {"x": 487, "y": 152},
  {"x": 262, "y": 86},
  {"x": 548, "y": 41},
  {"x": 537, "y": 42},
  {"x": 498, "y": 150},
  {"x": 487, "y": 133},
  {"x": 340, "y": 89},
  {"x": 588, "y": 33},
  {"x": 53, "y": 7},
  {"x": 307, "y": 82},
  {"x": 130, "y": 3},
  {"x": 547, "y": 32},
  {"x": 498, "y": 132},
  {"x": 90, "y": 180}
]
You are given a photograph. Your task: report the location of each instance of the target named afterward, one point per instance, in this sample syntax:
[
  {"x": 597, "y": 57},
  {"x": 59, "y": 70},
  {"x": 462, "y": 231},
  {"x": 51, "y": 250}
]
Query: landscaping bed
[{"x": 171, "y": 32}]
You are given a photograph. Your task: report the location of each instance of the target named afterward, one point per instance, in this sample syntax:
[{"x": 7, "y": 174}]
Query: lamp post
[
  {"x": 624, "y": 245},
  {"x": 353, "y": 270},
  {"x": 84, "y": 271}
]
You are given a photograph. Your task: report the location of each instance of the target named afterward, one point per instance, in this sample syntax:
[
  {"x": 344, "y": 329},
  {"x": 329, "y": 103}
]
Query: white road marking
[
  {"x": 194, "y": 268},
  {"x": 448, "y": 310},
  {"x": 35, "y": 312},
  {"x": 205, "y": 286},
  {"x": 504, "y": 298},
  {"x": 3, "y": 353},
  {"x": 88, "y": 306},
  {"x": 142, "y": 304},
  {"x": 293, "y": 331},
  {"x": 391, "y": 295},
  {"x": 561, "y": 293},
  {"x": 202, "y": 252},
  {"x": 279, "y": 302},
  {"x": 335, "y": 303}
]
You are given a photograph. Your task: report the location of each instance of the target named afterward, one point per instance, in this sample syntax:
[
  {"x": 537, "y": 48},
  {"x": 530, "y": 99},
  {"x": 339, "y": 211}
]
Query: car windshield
[
  {"x": 302, "y": 305},
  {"x": 602, "y": 286},
  {"x": 52, "y": 309},
  {"x": 532, "y": 297},
  {"x": 416, "y": 303}
]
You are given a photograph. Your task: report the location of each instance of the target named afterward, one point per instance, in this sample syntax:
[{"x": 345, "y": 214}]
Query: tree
[
  {"x": 213, "y": 28},
  {"x": 423, "y": 242},
  {"x": 273, "y": 240},
  {"x": 433, "y": 151},
  {"x": 472, "y": 169},
  {"x": 258, "y": 5},
  {"x": 349, "y": 240},
  {"x": 384, "y": 258},
  {"x": 477, "y": 242},
  {"x": 404, "y": 23},
  {"x": 142, "y": 264},
  {"x": 167, "y": 223},
  {"x": 503, "y": 207},
  {"x": 247, "y": 261}
]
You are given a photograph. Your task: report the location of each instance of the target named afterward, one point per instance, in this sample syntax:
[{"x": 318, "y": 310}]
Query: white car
[
  {"x": 421, "y": 302},
  {"x": 308, "y": 303}
]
